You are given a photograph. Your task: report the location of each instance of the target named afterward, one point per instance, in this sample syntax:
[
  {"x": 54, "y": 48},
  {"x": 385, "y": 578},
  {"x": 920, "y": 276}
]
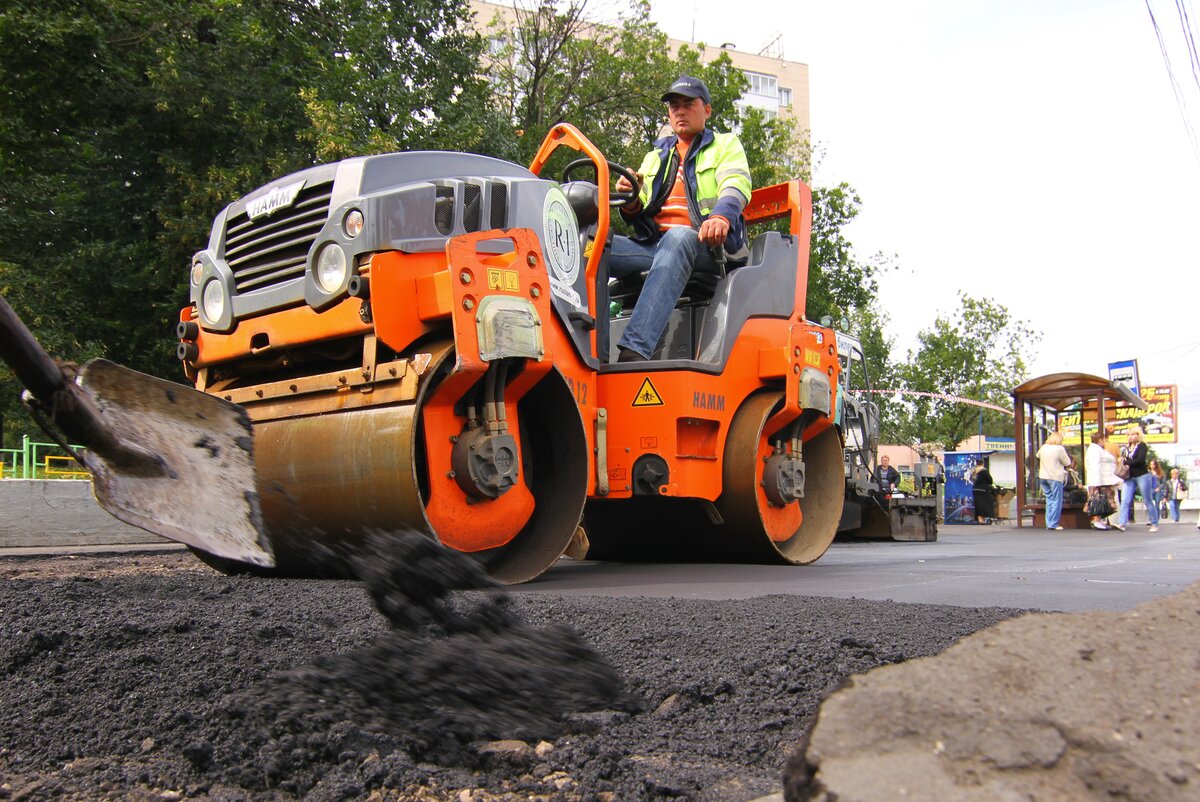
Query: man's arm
[
  {"x": 733, "y": 193},
  {"x": 733, "y": 181}
]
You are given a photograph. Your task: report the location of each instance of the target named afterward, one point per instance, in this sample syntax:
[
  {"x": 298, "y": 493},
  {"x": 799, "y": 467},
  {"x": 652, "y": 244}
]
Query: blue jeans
[
  {"x": 1173, "y": 504},
  {"x": 1143, "y": 483},
  {"x": 1053, "y": 491},
  {"x": 670, "y": 262}
]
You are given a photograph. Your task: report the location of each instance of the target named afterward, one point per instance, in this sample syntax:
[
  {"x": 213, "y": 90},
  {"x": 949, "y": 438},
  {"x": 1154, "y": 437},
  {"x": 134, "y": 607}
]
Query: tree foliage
[
  {"x": 838, "y": 280},
  {"x": 554, "y": 63},
  {"x": 125, "y": 126},
  {"x": 981, "y": 353}
]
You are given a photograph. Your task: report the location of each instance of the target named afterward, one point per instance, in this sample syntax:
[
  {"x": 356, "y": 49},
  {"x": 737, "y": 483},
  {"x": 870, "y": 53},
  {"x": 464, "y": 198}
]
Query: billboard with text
[{"x": 1159, "y": 420}]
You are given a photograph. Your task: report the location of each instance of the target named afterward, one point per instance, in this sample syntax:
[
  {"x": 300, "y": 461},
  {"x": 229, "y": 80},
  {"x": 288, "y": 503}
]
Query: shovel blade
[{"x": 205, "y": 494}]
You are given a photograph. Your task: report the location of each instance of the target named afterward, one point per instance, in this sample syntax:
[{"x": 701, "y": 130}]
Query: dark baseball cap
[{"x": 688, "y": 86}]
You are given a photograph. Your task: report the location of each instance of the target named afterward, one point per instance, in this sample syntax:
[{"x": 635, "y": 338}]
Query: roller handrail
[{"x": 567, "y": 135}]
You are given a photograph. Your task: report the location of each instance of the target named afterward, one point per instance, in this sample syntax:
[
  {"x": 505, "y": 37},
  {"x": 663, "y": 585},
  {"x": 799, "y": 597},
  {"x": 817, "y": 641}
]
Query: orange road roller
[{"x": 426, "y": 340}]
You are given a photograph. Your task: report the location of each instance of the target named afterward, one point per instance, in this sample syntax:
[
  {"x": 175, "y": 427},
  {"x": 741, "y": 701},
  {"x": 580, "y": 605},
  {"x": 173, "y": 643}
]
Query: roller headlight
[
  {"x": 352, "y": 223},
  {"x": 197, "y": 272},
  {"x": 331, "y": 268},
  {"x": 214, "y": 301}
]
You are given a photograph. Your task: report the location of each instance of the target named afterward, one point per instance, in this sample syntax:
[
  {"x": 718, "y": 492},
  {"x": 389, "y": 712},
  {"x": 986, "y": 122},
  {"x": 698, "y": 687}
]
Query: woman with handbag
[
  {"x": 1099, "y": 467},
  {"x": 1137, "y": 476}
]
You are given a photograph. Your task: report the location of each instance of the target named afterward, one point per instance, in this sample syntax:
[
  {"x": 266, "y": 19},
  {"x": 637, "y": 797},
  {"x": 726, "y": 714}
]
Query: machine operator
[
  {"x": 700, "y": 183},
  {"x": 887, "y": 476}
]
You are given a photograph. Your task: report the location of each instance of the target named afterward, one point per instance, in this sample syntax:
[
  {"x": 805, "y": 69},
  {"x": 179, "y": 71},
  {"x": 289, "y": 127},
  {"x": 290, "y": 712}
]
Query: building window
[
  {"x": 764, "y": 85},
  {"x": 785, "y": 96}
]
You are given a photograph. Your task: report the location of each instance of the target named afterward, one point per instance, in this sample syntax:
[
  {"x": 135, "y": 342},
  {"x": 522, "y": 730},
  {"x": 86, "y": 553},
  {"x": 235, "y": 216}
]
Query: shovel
[{"x": 163, "y": 457}]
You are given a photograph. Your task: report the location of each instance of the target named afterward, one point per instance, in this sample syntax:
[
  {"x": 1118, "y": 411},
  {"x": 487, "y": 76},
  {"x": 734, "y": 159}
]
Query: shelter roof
[{"x": 1058, "y": 391}]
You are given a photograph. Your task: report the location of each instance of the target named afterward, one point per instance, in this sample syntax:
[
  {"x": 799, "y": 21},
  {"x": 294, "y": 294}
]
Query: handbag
[
  {"x": 1122, "y": 470},
  {"x": 1099, "y": 505}
]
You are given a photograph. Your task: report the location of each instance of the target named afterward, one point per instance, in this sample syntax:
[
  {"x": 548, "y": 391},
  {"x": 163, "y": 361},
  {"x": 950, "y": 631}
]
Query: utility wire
[
  {"x": 1179, "y": 100},
  {"x": 1189, "y": 37}
]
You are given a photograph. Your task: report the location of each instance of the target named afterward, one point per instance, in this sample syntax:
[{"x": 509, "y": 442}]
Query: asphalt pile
[{"x": 174, "y": 682}]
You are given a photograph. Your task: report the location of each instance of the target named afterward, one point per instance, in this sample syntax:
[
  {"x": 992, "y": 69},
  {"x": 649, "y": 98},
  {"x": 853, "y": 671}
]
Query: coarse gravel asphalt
[{"x": 149, "y": 676}]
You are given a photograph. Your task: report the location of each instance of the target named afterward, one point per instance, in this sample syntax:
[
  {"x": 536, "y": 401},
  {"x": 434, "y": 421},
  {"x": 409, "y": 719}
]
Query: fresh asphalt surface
[{"x": 968, "y": 566}]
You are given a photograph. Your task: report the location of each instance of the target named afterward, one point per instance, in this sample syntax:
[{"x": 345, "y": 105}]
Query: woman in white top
[
  {"x": 1101, "y": 475},
  {"x": 1053, "y": 462}
]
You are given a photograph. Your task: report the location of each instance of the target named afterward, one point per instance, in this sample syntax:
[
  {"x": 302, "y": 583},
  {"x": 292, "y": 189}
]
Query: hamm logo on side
[{"x": 277, "y": 198}]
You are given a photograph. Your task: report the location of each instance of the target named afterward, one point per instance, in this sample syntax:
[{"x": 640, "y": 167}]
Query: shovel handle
[
  {"x": 68, "y": 406},
  {"x": 25, "y": 355}
]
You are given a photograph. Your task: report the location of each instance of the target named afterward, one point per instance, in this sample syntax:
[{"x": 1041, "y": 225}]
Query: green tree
[
  {"x": 552, "y": 64},
  {"x": 980, "y": 353},
  {"x": 775, "y": 153},
  {"x": 869, "y": 323},
  {"x": 838, "y": 280},
  {"x": 125, "y": 126}
]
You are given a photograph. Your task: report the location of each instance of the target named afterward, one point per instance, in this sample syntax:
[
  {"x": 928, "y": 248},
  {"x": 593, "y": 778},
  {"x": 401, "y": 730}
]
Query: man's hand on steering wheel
[
  {"x": 624, "y": 187},
  {"x": 713, "y": 231}
]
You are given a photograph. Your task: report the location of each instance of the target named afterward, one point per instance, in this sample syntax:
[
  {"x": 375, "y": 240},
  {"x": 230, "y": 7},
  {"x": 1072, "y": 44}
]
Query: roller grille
[
  {"x": 274, "y": 249},
  {"x": 471, "y": 207},
  {"x": 499, "y": 215},
  {"x": 443, "y": 210}
]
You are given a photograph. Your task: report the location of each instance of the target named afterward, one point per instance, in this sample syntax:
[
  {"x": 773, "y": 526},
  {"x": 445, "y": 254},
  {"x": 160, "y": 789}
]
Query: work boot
[{"x": 629, "y": 355}]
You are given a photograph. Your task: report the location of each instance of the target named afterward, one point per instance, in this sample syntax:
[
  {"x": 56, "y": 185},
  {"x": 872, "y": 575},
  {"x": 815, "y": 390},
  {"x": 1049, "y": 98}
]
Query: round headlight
[
  {"x": 214, "y": 301},
  {"x": 331, "y": 268},
  {"x": 197, "y": 272},
  {"x": 352, "y": 223}
]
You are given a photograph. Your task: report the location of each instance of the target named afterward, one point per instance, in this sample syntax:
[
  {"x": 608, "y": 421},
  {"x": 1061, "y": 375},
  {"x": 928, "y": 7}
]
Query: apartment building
[{"x": 777, "y": 86}]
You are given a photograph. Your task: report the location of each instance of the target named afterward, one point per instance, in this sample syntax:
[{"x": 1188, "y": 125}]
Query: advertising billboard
[
  {"x": 959, "y": 502},
  {"x": 1159, "y": 420}
]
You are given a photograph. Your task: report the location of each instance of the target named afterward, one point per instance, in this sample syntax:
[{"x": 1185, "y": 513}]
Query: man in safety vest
[{"x": 699, "y": 183}]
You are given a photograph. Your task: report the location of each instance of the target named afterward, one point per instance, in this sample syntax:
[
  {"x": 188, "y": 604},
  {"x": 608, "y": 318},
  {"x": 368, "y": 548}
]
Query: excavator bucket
[{"x": 164, "y": 457}]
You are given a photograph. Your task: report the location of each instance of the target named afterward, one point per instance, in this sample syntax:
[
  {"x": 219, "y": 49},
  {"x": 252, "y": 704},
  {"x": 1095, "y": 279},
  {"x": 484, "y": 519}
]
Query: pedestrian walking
[{"x": 1133, "y": 457}]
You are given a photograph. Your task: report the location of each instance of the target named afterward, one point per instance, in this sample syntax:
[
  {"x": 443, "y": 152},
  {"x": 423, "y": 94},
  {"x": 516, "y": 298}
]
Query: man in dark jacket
[
  {"x": 887, "y": 476},
  {"x": 698, "y": 184}
]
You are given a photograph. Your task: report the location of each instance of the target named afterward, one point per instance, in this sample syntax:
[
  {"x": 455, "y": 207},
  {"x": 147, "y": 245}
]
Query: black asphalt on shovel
[{"x": 164, "y": 457}]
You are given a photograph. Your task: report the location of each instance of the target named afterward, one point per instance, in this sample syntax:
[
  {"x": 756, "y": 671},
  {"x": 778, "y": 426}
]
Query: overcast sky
[{"x": 1028, "y": 151}]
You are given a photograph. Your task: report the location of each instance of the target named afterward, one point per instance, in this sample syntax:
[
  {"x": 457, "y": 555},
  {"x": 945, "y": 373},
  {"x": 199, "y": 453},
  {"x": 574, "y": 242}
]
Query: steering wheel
[{"x": 614, "y": 198}]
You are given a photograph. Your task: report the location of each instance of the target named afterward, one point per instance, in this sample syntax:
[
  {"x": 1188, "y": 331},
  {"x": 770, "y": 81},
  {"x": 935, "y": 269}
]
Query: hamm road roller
[{"x": 426, "y": 340}]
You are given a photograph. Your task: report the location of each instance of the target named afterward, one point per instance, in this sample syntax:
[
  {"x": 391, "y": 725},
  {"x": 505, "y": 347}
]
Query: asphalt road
[{"x": 968, "y": 566}]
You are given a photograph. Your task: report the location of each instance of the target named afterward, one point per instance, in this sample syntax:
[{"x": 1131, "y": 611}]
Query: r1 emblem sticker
[{"x": 560, "y": 240}]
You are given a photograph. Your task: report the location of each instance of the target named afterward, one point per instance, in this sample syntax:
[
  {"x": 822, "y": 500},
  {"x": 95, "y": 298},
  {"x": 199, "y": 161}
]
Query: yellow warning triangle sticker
[{"x": 647, "y": 396}]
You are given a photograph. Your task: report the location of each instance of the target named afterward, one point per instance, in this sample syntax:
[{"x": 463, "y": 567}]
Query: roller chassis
[
  {"x": 457, "y": 375},
  {"x": 869, "y": 511}
]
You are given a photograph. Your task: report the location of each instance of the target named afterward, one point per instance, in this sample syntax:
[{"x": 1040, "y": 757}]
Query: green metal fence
[{"x": 35, "y": 460}]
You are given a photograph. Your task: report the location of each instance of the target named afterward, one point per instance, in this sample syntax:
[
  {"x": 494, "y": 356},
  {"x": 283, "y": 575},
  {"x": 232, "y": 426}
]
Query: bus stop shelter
[{"x": 1038, "y": 405}]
